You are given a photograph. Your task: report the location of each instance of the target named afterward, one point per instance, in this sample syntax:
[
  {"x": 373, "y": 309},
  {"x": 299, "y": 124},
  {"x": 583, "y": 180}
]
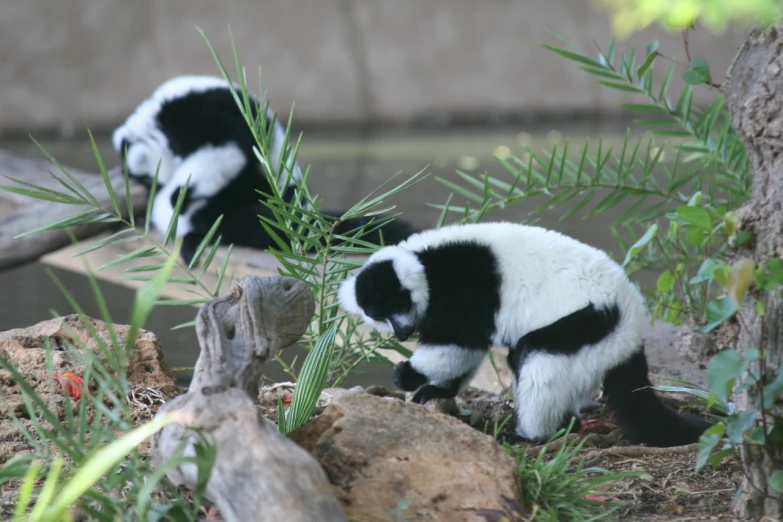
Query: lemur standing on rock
[{"x": 569, "y": 314}]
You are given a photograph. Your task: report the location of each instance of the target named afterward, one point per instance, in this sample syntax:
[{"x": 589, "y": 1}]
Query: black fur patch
[
  {"x": 464, "y": 295},
  {"x": 209, "y": 117},
  {"x": 379, "y": 292},
  {"x": 406, "y": 377},
  {"x": 567, "y": 335},
  {"x": 645, "y": 419},
  {"x": 430, "y": 391}
]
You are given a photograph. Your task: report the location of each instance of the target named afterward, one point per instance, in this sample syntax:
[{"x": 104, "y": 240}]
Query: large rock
[
  {"x": 25, "y": 349},
  {"x": 379, "y": 452}
]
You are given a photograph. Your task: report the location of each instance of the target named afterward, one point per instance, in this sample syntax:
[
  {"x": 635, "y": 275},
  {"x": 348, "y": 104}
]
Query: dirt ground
[{"x": 669, "y": 489}]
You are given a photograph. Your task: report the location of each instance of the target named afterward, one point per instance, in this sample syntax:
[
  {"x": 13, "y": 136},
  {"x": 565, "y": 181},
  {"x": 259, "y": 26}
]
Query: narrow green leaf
[
  {"x": 113, "y": 239},
  {"x": 205, "y": 242},
  {"x": 145, "y": 251},
  {"x": 208, "y": 261},
  {"x": 78, "y": 188},
  {"x": 579, "y": 58},
  {"x": 641, "y": 243},
  {"x": 103, "y": 460},
  {"x": 652, "y": 53},
  {"x": 645, "y": 107},
  {"x": 223, "y": 270},
  {"x": 171, "y": 231},
  {"x": 461, "y": 190},
  {"x": 180, "y": 302},
  {"x": 312, "y": 380},
  {"x": 43, "y": 193},
  {"x": 147, "y": 296},
  {"x": 442, "y": 218},
  {"x": 105, "y": 175},
  {"x": 281, "y": 424},
  {"x": 151, "y": 199},
  {"x": 26, "y": 490},
  {"x": 620, "y": 86},
  {"x": 78, "y": 219},
  {"x": 603, "y": 73},
  {"x": 667, "y": 78}
]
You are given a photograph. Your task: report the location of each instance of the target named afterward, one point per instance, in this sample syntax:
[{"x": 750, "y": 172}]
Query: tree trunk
[{"x": 754, "y": 95}]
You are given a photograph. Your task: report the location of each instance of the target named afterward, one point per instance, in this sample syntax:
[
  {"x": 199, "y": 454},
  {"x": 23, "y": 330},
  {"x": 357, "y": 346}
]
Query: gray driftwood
[
  {"x": 259, "y": 474},
  {"x": 20, "y": 214}
]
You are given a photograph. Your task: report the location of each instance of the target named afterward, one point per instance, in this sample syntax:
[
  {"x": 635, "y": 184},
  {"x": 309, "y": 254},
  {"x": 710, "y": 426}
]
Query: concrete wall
[{"x": 89, "y": 62}]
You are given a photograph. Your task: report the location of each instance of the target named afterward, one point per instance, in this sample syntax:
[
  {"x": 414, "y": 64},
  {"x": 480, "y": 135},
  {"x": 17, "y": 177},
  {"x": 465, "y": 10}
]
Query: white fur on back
[
  {"x": 210, "y": 169},
  {"x": 546, "y": 276}
]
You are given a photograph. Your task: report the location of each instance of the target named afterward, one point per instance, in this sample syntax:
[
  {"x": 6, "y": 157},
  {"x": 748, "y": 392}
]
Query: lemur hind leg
[{"x": 438, "y": 371}]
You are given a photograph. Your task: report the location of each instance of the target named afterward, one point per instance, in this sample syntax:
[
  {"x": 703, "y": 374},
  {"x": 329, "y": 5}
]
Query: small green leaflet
[
  {"x": 640, "y": 244},
  {"x": 698, "y": 72}
]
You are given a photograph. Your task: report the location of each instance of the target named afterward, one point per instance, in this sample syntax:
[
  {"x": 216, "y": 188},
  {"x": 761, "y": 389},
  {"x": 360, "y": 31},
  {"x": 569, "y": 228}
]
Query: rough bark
[
  {"x": 754, "y": 94},
  {"x": 20, "y": 214},
  {"x": 259, "y": 474}
]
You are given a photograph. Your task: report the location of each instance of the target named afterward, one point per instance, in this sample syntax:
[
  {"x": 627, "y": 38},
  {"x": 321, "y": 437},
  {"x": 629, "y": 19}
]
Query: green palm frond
[
  {"x": 708, "y": 155},
  {"x": 686, "y": 153},
  {"x": 306, "y": 242}
]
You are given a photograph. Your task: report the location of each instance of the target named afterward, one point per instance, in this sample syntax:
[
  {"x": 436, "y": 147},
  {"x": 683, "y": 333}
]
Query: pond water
[{"x": 344, "y": 168}]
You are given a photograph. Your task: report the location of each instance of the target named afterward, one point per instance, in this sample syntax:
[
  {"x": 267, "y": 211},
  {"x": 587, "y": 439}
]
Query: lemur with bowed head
[
  {"x": 569, "y": 314},
  {"x": 192, "y": 127}
]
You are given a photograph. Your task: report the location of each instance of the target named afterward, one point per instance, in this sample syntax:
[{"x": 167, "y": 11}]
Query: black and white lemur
[
  {"x": 192, "y": 126},
  {"x": 569, "y": 314}
]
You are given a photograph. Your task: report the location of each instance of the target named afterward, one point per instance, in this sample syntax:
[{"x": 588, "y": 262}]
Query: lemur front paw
[{"x": 406, "y": 377}]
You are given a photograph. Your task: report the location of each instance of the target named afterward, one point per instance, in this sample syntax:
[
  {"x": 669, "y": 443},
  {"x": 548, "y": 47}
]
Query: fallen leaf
[
  {"x": 71, "y": 383},
  {"x": 602, "y": 498},
  {"x": 597, "y": 425}
]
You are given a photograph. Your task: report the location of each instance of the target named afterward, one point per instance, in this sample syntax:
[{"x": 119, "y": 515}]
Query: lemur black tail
[
  {"x": 645, "y": 419},
  {"x": 393, "y": 232}
]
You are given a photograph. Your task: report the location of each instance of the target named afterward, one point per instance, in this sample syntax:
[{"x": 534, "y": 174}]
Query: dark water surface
[{"x": 344, "y": 169}]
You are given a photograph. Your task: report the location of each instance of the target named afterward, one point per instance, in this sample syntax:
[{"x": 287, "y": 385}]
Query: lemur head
[
  {"x": 142, "y": 145},
  {"x": 142, "y": 142},
  {"x": 390, "y": 292}
]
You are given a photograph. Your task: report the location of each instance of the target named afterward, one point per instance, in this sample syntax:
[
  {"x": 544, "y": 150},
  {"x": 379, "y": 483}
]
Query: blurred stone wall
[{"x": 71, "y": 63}]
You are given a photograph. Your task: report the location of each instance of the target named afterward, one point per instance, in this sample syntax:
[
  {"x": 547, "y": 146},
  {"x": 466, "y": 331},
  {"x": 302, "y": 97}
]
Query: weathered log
[
  {"x": 20, "y": 213},
  {"x": 259, "y": 474}
]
